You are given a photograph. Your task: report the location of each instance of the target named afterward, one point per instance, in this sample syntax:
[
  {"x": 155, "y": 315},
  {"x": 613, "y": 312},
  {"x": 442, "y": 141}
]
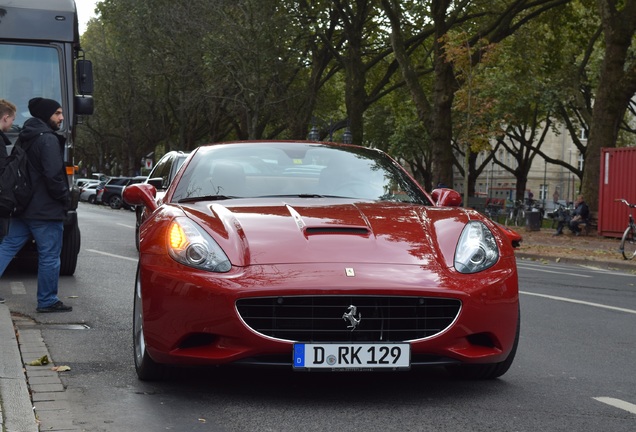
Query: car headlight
[
  {"x": 476, "y": 250},
  {"x": 189, "y": 244}
]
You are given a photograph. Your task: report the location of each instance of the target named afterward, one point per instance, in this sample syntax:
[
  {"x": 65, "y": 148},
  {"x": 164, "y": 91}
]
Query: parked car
[
  {"x": 111, "y": 192},
  {"x": 160, "y": 177},
  {"x": 89, "y": 193},
  {"x": 348, "y": 265},
  {"x": 83, "y": 182}
]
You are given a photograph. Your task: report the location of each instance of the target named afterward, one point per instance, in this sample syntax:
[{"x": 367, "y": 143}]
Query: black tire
[
  {"x": 91, "y": 199},
  {"x": 509, "y": 218},
  {"x": 147, "y": 369},
  {"x": 115, "y": 202},
  {"x": 520, "y": 220},
  {"x": 628, "y": 244},
  {"x": 70, "y": 249},
  {"x": 487, "y": 370}
]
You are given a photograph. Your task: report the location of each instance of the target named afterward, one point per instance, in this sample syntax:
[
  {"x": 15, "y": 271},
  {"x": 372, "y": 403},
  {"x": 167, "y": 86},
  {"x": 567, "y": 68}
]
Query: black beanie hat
[{"x": 43, "y": 108}]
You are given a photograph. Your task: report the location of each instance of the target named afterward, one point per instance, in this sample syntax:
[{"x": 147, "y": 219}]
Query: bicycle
[
  {"x": 561, "y": 213},
  {"x": 628, "y": 241},
  {"x": 493, "y": 211},
  {"x": 516, "y": 215}
]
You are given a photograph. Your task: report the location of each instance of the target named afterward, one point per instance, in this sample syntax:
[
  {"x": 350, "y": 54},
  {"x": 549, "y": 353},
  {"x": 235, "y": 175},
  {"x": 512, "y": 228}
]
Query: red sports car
[{"x": 319, "y": 257}]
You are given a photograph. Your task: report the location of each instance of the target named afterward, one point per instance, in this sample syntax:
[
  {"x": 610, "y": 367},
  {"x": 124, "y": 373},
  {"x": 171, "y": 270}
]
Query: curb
[
  {"x": 627, "y": 266},
  {"x": 16, "y": 410}
]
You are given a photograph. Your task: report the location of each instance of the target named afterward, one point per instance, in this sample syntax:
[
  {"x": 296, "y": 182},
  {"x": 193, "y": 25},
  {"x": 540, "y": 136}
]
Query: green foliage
[{"x": 174, "y": 75}]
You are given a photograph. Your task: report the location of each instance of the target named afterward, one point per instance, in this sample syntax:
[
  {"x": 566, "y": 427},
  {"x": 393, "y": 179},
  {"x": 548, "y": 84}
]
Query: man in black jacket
[{"x": 44, "y": 217}]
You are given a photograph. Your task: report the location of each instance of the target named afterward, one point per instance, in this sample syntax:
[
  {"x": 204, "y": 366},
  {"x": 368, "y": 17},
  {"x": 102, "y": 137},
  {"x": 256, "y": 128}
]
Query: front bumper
[{"x": 192, "y": 317}]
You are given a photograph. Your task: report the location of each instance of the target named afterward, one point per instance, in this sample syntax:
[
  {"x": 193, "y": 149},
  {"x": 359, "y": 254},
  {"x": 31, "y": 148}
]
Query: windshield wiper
[
  {"x": 293, "y": 195},
  {"x": 205, "y": 198}
]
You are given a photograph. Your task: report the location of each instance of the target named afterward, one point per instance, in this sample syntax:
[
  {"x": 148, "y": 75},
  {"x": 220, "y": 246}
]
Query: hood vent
[{"x": 337, "y": 230}]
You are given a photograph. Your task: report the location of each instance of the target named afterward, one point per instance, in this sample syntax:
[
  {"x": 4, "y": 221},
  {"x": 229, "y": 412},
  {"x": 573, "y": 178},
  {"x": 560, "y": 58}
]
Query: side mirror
[
  {"x": 84, "y": 105},
  {"x": 514, "y": 237},
  {"x": 445, "y": 197},
  {"x": 84, "y": 69},
  {"x": 141, "y": 194}
]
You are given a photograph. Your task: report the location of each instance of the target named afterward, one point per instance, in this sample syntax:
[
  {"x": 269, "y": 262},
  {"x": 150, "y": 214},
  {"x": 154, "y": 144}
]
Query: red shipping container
[{"x": 618, "y": 166}]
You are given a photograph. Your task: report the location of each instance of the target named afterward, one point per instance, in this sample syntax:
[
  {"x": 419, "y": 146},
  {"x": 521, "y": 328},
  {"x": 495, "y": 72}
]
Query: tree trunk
[
  {"x": 443, "y": 95},
  {"x": 616, "y": 87},
  {"x": 355, "y": 92}
]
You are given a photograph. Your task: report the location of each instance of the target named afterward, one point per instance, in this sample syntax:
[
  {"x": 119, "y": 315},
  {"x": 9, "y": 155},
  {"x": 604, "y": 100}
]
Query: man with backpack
[
  {"x": 43, "y": 217},
  {"x": 7, "y": 116}
]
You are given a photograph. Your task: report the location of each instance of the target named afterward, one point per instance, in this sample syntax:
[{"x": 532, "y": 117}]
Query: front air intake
[{"x": 320, "y": 318}]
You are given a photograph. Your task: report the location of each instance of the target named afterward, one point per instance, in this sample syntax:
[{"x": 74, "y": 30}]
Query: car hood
[{"x": 322, "y": 230}]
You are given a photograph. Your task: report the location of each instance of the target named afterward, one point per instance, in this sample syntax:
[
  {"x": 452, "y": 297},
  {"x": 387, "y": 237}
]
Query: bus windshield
[{"x": 27, "y": 72}]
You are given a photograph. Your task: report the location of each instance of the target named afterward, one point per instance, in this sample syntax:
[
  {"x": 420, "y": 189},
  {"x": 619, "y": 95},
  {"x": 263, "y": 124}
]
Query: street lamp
[
  {"x": 314, "y": 134},
  {"x": 347, "y": 136},
  {"x": 330, "y": 126},
  {"x": 545, "y": 186}
]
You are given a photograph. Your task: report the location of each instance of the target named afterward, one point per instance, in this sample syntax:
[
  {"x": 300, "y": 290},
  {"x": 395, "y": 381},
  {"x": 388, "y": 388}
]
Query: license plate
[{"x": 352, "y": 356}]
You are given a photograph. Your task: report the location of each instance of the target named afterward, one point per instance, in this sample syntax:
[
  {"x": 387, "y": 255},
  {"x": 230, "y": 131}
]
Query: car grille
[{"x": 320, "y": 318}]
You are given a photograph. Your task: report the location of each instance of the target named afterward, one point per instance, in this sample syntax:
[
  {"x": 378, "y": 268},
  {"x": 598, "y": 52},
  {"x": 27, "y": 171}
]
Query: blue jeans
[{"x": 48, "y": 237}]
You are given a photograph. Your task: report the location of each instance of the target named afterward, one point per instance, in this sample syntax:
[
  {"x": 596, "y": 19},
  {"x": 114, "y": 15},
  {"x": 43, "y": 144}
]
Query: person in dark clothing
[
  {"x": 43, "y": 218},
  {"x": 580, "y": 214},
  {"x": 7, "y": 116}
]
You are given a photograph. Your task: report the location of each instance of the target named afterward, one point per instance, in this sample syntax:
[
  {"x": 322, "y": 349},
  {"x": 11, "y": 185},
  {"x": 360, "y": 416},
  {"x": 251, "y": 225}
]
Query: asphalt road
[{"x": 575, "y": 368}]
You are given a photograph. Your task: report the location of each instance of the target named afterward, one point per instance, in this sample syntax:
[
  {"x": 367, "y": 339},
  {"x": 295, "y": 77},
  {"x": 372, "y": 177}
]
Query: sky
[{"x": 85, "y": 11}]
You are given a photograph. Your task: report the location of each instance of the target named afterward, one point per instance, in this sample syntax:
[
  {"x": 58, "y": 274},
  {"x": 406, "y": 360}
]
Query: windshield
[
  {"x": 284, "y": 169},
  {"x": 28, "y": 72}
]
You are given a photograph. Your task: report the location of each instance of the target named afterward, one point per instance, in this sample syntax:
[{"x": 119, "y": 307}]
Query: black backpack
[{"x": 15, "y": 184}]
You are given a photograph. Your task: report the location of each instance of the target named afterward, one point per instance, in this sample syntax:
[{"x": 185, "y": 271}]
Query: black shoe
[
  {"x": 56, "y": 307},
  {"x": 1, "y": 300},
  {"x": 557, "y": 234}
]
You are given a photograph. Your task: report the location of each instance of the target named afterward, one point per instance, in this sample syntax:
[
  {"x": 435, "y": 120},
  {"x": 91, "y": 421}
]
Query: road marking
[
  {"x": 598, "y": 305},
  {"x": 17, "y": 288},
  {"x": 617, "y": 403},
  {"x": 125, "y": 225},
  {"x": 607, "y": 272},
  {"x": 555, "y": 272},
  {"x": 553, "y": 266},
  {"x": 113, "y": 255}
]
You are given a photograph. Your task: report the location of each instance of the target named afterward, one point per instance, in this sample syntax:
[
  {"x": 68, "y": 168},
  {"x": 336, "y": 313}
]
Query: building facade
[{"x": 547, "y": 182}]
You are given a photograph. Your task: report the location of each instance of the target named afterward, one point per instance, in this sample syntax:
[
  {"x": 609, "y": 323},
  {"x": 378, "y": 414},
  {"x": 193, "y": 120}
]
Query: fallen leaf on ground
[
  {"x": 42, "y": 361},
  {"x": 61, "y": 368}
]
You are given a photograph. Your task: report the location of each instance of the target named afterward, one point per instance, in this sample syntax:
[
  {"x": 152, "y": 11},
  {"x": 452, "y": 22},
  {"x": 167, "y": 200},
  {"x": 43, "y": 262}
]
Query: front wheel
[
  {"x": 115, "y": 202},
  {"x": 147, "y": 369},
  {"x": 628, "y": 244},
  {"x": 71, "y": 243}
]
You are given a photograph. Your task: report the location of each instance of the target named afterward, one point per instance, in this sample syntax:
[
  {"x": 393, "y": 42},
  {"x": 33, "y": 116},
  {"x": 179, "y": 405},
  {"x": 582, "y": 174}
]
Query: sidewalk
[
  {"x": 584, "y": 249},
  {"x": 17, "y": 410}
]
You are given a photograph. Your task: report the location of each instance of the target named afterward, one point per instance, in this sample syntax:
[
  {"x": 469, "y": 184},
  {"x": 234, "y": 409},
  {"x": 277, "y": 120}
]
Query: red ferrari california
[{"x": 318, "y": 256}]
